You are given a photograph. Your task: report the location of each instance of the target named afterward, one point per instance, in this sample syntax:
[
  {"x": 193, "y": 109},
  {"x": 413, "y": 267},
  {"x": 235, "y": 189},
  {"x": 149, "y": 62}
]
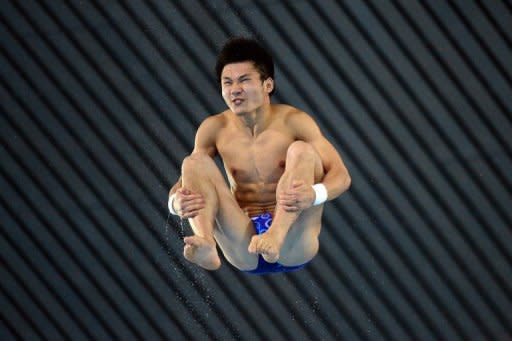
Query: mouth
[{"x": 237, "y": 101}]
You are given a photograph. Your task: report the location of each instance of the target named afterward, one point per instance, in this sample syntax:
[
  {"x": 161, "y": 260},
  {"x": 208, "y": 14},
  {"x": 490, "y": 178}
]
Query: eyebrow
[{"x": 241, "y": 76}]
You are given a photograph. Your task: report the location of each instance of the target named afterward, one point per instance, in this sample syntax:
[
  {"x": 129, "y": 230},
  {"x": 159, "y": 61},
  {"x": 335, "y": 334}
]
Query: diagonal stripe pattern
[{"x": 99, "y": 103}]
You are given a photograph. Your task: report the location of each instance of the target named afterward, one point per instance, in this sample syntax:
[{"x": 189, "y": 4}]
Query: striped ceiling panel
[{"x": 99, "y": 103}]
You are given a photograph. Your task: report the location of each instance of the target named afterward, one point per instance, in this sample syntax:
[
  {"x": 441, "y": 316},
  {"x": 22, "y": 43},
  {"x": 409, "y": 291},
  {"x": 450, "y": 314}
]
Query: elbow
[{"x": 348, "y": 182}]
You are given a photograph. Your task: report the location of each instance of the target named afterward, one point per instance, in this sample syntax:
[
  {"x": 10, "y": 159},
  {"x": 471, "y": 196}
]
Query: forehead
[{"x": 235, "y": 70}]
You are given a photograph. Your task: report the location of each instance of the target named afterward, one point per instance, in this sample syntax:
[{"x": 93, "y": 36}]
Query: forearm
[{"x": 336, "y": 182}]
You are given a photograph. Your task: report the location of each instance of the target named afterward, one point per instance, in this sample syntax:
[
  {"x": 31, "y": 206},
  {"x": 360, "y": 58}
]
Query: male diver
[{"x": 280, "y": 168}]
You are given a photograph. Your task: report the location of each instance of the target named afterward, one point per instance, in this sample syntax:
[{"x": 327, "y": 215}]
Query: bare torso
[{"x": 255, "y": 163}]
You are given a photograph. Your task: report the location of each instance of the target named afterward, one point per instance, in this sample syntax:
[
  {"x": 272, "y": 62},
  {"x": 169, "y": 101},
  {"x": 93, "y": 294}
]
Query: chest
[{"x": 255, "y": 159}]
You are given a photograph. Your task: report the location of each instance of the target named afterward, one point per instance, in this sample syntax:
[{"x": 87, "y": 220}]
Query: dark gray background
[{"x": 99, "y": 102}]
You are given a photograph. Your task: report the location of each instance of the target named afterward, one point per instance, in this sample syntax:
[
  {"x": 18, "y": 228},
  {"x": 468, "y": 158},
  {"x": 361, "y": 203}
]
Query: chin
[{"x": 239, "y": 111}]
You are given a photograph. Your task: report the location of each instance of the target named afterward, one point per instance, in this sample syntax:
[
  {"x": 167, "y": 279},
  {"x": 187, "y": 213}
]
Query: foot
[
  {"x": 267, "y": 245},
  {"x": 202, "y": 252}
]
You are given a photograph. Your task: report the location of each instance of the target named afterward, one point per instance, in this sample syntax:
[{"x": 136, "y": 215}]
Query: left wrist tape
[
  {"x": 170, "y": 204},
  {"x": 320, "y": 194}
]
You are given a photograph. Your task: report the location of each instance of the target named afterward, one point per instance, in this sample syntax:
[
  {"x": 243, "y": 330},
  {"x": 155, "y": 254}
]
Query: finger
[
  {"x": 289, "y": 202},
  {"x": 287, "y": 197},
  {"x": 286, "y": 203},
  {"x": 290, "y": 208},
  {"x": 297, "y": 183},
  {"x": 190, "y": 214},
  {"x": 183, "y": 191},
  {"x": 191, "y": 199},
  {"x": 190, "y": 211},
  {"x": 186, "y": 205},
  {"x": 193, "y": 195},
  {"x": 196, "y": 201}
]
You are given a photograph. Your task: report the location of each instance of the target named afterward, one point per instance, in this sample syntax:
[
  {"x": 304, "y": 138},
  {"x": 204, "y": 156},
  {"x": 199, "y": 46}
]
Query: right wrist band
[{"x": 320, "y": 194}]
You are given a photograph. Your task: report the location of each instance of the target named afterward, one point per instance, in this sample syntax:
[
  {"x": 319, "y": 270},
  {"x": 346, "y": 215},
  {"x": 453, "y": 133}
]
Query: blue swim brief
[{"x": 261, "y": 224}]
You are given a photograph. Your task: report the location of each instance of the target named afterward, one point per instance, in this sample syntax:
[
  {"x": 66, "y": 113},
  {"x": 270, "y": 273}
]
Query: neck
[{"x": 257, "y": 120}]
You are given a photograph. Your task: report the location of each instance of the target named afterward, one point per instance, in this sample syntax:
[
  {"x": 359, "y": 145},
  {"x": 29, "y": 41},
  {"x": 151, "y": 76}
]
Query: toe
[
  {"x": 270, "y": 258},
  {"x": 253, "y": 245}
]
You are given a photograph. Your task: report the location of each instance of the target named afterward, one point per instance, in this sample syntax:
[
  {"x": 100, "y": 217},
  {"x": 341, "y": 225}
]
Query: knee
[
  {"x": 301, "y": 151},
  {"x": 196, "y": 161}
]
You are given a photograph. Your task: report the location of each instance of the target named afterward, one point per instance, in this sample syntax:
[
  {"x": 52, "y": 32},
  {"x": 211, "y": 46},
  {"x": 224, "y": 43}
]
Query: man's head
[{"x": 238, "y": 50}]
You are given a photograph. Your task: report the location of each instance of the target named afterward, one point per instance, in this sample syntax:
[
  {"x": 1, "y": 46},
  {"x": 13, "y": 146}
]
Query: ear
[{"x": 268, "y": 84}]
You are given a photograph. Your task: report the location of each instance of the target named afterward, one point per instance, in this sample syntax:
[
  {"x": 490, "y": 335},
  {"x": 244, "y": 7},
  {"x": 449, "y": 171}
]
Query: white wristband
[
  {"x": 169, "y": 204},
  {"x": 320, "y": 194}
]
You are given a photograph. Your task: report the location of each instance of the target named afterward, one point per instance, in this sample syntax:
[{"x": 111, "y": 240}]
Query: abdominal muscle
[{"x": 255, "y": 199}]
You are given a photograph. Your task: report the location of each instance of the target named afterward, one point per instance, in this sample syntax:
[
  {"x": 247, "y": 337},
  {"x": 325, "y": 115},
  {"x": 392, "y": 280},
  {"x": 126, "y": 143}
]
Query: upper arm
[
  {"x": 205, "y": 142},
  {"x": 206, "y": 136}
]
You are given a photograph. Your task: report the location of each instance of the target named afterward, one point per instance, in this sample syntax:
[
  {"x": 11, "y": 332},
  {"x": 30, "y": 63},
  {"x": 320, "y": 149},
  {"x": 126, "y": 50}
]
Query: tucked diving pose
[{"x": 280, "y": 170}]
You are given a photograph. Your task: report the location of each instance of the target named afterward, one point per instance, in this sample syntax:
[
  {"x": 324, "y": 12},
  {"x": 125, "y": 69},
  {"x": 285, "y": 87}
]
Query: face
[{"x": 242, "y": 88}]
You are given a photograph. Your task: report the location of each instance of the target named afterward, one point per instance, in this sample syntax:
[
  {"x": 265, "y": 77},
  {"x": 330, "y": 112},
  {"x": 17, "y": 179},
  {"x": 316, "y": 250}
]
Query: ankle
[{"x": 277, "y": 233}]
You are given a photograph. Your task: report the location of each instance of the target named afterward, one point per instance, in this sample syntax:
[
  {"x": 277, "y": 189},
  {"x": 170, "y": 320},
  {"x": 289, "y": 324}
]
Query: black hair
[{"x": 237, "y": 50}]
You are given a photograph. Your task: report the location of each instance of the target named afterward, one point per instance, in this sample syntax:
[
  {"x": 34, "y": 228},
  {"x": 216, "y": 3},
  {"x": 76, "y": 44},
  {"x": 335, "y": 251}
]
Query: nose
[{"x": 236, "y": 90}]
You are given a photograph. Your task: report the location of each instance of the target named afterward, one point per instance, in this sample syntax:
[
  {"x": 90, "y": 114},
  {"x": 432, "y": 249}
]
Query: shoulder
[
  {"x": 212, "y": 125},
  {"x": 295, "y": 117},
  {"x": 290, "y": 114},
  {"x": 214, "y": 121},
  {"x": 208, "y": 132},
  {"x": 299, "y": 122}
]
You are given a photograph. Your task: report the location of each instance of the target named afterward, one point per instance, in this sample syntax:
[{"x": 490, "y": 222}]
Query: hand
[
  {"x": 296, "y": 198},
  {"x": 187, "y": 203}
]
